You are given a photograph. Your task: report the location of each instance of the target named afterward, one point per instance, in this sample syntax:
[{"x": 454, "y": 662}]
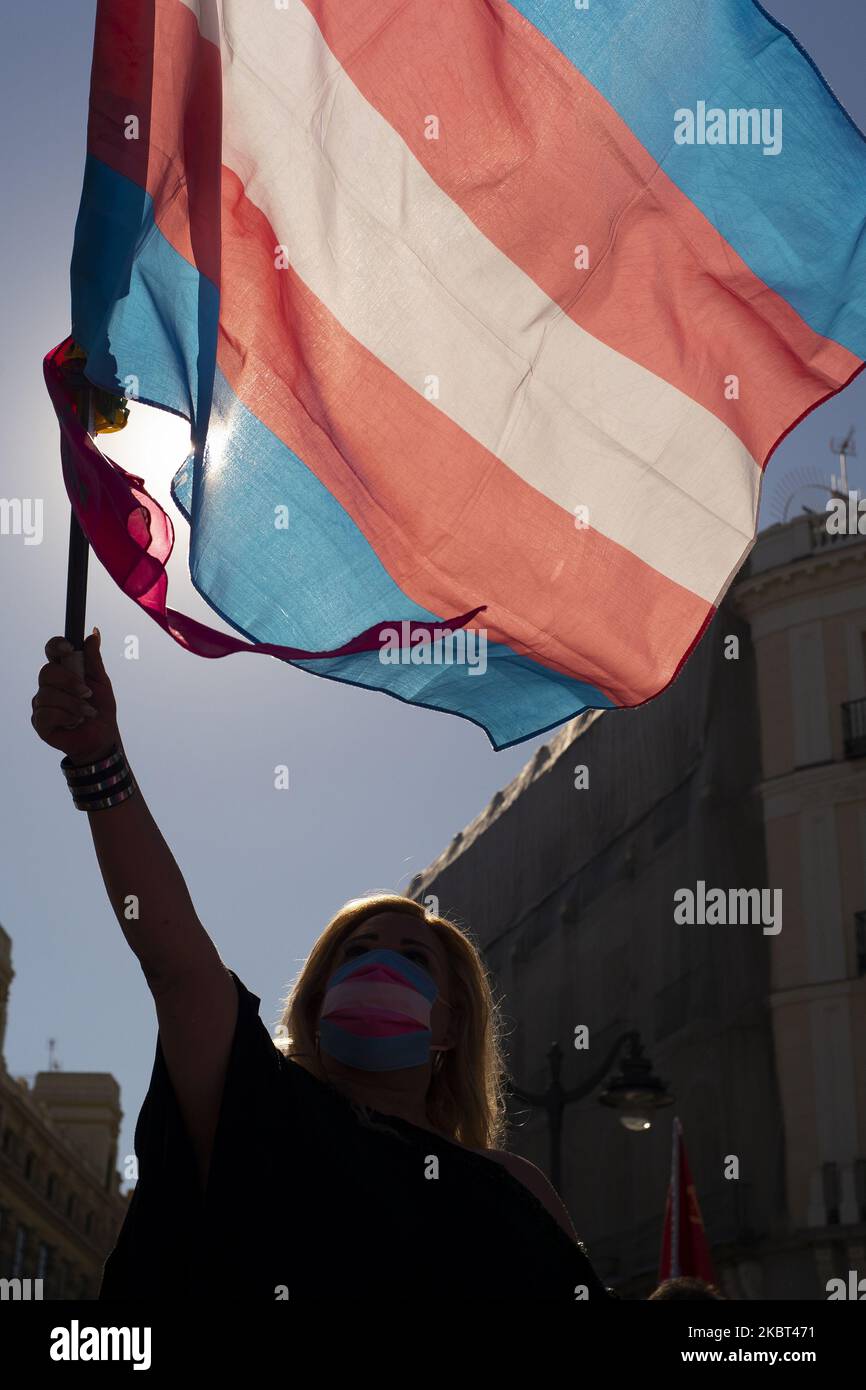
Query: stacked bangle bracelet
[{"x": 96, "y": 786}]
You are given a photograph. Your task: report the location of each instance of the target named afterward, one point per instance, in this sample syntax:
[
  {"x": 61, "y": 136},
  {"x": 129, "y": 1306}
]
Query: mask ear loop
[{"x": 439, "y": 1059}]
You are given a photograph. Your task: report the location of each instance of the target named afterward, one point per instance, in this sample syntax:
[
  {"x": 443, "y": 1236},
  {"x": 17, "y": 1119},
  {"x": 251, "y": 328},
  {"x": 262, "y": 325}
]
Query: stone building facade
[
  {"x": 748, "y": 772},
  {"x": 60, "y": 1200}
]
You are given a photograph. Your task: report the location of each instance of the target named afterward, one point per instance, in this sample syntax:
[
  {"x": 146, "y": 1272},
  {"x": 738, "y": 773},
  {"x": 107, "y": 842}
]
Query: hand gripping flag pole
[{"x": 76, "y": 572}]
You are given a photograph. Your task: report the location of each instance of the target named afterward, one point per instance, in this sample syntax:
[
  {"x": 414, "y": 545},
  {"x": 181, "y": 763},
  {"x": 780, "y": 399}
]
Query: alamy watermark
[
  {"x": 739, "y": 125},
  {"x": 77, "y": 1343},
  {"x": 703, "y": 906},
  {"x": 438, "y": 646},
  {"x": 20, "y": 1289},
  {"x": 22, "y": 516},
  {"x": 854, "y": 1289},
  {"x": 846, "y": 516}
]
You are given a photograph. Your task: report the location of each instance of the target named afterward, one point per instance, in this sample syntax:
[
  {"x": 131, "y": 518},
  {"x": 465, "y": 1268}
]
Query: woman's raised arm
[{"x": 195, "y": 996}]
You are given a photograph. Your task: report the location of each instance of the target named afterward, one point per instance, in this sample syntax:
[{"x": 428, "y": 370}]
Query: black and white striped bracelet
[{"x": 96, "y": 786}]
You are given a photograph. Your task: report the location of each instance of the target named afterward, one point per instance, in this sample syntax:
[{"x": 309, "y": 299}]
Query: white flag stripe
[{"x": 406, "y": 273}]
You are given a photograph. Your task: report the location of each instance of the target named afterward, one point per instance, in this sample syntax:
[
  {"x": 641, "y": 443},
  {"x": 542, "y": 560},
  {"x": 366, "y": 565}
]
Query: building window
[
  {"x": 830, "y": 1175},
  {"x": 50, "y": 1186},
  {"x": 109, "y": 1172},
  {"x": 29, "y": 1164},
  {"x": 88, "y": 1223},
  {"x": 18, "y": 1255},
  {"x": 41, "y": 1261},
  {"x": 854, "y": 728},
  {"x": 8, "y": 1141},
  {"x": 70, "y": 1205},
  {"x": 860, "y": 1186},
  {"x": 860, "y": 941}
]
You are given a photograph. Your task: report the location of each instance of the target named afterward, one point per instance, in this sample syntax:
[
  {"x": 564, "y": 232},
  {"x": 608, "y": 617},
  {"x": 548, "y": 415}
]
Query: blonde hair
[{"x": 466, "y": 1097}]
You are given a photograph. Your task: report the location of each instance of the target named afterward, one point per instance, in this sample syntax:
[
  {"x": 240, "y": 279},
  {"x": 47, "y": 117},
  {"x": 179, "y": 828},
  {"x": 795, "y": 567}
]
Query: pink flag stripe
[{"x": 177, "y": 154}]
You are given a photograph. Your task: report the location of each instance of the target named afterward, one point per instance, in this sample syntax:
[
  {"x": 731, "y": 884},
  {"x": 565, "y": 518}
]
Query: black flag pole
[
  {"x": 101, "y": 412},
  {"x": 76, "y": 572}
]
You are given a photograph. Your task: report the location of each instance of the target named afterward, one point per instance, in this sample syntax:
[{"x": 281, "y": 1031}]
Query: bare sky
[{"x": 377, "y": 788}]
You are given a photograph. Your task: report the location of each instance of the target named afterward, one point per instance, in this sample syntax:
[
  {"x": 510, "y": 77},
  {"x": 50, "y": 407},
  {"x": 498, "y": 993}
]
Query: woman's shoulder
[
  {"x": 537, "y": 1183},
  {"x": 522, "y": 1169}
]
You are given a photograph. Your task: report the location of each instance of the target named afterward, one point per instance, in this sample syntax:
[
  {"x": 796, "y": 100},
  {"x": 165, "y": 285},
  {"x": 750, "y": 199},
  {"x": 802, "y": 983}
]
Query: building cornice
[
  {"x": 797, "y": 577},
  {"x": 825, "y": 784},
  {"x": 821, "y": 989}
]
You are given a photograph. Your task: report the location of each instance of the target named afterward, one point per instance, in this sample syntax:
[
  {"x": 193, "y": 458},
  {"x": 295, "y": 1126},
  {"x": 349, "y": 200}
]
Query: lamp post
[{"x": 636, "y": 1092}]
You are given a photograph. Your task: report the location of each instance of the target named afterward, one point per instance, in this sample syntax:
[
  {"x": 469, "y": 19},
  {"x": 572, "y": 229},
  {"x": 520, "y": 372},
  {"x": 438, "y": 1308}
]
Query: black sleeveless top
[{"x": 304, "y": 1201}]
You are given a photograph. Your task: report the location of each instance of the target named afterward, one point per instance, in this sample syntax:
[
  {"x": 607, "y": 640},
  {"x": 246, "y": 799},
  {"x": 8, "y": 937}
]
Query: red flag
[{"x": 685, "y": 1251}]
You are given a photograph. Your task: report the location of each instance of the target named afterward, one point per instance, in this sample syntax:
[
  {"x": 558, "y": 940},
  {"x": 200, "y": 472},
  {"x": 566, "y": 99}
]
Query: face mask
[{"x": 376, "y": 1012}]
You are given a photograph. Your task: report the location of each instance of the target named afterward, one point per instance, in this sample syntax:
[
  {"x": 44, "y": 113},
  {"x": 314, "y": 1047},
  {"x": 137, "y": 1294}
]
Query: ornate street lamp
[{"x": 636, "y": 1092}]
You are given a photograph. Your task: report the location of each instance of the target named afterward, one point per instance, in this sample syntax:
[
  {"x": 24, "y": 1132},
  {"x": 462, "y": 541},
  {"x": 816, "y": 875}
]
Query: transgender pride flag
[{"x": 472, "y": 305}]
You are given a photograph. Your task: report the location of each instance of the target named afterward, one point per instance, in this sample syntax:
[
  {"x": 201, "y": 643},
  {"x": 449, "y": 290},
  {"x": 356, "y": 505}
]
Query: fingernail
[
  {"x": 64, "y": 646},
  {"x": 89, "y": 711},
  {"x": 74, "y": 725},
  {"x": 98, "y": 635},
  {"x": 83, "y": 690}
]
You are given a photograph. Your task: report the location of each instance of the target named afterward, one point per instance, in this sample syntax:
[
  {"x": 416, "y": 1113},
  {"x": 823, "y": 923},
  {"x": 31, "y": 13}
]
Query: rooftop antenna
[
  {"x": 845, "y": 450},
  {"x": 799, "y": 490},
  {"x": 53, "y": 1063}
]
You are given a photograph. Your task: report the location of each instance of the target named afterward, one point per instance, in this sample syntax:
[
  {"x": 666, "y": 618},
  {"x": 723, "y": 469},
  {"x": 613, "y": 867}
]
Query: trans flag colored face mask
[{"x": 376, "y": 1012}]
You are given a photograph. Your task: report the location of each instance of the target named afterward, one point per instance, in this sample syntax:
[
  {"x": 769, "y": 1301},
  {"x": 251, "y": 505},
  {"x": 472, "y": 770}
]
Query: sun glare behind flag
[{"x": 485, "y": 317}]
